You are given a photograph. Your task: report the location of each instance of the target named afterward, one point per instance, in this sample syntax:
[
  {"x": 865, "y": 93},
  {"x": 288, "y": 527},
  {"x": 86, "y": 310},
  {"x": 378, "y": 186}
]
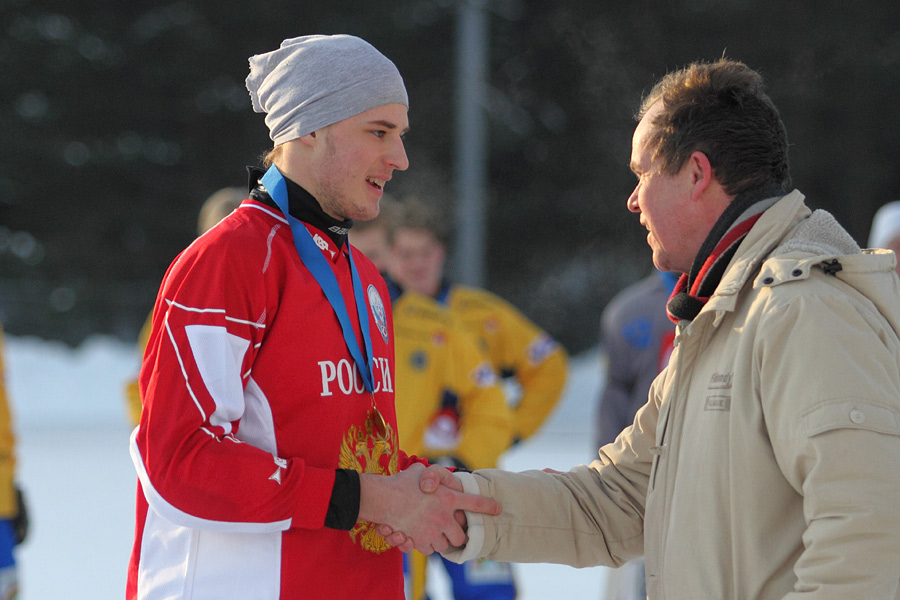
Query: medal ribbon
[{"x": 318, "y": 266}]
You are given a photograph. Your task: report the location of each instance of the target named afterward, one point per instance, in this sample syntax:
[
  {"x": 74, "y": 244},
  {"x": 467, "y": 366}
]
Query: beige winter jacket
[{"x": 766, "y": 464}]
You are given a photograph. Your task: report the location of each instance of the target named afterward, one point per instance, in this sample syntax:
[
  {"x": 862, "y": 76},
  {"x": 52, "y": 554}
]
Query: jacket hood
[
  {"x": 790, "y": 241},
  {"x": 818, "y": 235}
]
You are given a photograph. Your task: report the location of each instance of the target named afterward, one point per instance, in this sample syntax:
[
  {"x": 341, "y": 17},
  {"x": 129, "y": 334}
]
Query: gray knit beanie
[{"x": 316, "y": 80}]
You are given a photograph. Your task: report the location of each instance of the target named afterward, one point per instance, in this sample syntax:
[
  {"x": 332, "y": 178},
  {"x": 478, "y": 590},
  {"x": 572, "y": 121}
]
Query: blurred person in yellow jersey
[
  {"x": 13, "y": 513},
  {"x": 215, "y": 208},
  {"x": 450, "y": 407},
  {"x": 529, "y": 360}
]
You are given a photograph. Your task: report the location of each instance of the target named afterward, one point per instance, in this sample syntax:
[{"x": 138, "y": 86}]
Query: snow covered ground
[{"x": 77, "y": 475}]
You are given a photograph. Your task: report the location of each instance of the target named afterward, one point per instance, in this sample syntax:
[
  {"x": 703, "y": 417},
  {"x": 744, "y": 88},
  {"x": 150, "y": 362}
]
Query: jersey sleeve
[
  {"x": 539, "y": 365},
  {"x": 485, "y": 419},
  {"x": 209, "y": 321}
]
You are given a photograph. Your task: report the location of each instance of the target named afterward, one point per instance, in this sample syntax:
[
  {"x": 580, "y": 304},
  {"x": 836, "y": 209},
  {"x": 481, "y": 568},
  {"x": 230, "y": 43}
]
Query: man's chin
[
  {"x": 658, "y": 261},
  {"x": 366, "y": 212}
]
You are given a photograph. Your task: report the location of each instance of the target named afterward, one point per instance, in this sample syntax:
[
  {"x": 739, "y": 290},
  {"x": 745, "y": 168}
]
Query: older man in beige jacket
[{"x": 766, "y": 464}]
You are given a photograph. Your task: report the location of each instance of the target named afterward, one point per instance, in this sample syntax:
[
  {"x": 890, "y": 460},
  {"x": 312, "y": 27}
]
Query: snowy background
[{"x": 69, "y": 409}]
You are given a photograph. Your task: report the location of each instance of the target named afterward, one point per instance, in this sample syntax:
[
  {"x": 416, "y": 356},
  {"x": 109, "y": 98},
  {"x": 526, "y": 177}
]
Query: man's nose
[
  {"x": 632, "y": 202},
  {"x": 397, "y": 158}
]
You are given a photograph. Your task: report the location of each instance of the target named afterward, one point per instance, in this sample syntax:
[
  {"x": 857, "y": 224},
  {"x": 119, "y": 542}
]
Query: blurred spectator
[
  {"x": 636, "y": 336},
  {"x": 215, "y": 208},
  {"x": 519, "y": 350},
  {"x": 886, "y": 229},
  {"x": 531, "y": 363},
  {"x": 13, "y": 513},
  {"x": 450, "y": 407}
]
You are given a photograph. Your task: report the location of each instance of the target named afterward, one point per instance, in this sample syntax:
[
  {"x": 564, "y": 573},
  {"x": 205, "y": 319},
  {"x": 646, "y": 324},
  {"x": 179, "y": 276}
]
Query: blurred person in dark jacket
[{"x": 636, "y": 338}]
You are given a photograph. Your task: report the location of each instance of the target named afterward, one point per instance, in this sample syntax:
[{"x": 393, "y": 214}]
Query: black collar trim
[{"x": 303, "y": 206}]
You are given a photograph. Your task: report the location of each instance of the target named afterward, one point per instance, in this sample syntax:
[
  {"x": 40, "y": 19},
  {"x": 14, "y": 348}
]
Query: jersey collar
[{"x": 303, "y": 206}]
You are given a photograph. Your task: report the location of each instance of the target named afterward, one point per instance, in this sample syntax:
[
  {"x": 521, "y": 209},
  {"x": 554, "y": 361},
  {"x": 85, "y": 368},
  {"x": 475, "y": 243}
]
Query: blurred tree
[{"x": 118, "y": 119}]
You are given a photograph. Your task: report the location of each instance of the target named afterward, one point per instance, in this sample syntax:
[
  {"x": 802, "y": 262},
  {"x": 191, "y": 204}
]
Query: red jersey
[{"x": 251, "y": 402}]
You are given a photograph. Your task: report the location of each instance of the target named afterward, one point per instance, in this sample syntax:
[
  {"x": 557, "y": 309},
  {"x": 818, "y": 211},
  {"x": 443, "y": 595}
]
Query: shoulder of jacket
[
  {"x": 237, "y": 241},
  {"x": 818, "y": 244}
]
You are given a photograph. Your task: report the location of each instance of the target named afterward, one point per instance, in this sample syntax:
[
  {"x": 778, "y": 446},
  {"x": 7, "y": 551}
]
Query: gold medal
[{"x": 379, "y": 426}]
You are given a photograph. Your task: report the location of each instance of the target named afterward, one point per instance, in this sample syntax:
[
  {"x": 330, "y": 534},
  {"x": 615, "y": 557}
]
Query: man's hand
[
  {"x": 431, "y": 480},
  {"x": 424, "y": 504},
  {"x": 436, "y": 476}
]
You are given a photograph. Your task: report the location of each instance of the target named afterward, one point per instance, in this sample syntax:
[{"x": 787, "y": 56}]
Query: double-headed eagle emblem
[{"x": 371, "y": 449}]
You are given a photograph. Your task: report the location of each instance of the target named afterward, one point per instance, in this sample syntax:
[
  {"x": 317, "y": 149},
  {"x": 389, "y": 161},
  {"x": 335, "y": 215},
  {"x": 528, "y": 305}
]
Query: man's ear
[
  {"x": 701, "y": 173},
  {"x": 310, "y": 139}
]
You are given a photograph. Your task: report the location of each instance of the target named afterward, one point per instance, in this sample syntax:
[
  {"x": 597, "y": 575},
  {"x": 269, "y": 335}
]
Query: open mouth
[{"x": 376, "y": 183}]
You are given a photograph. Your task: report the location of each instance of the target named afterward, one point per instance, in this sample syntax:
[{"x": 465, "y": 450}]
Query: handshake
[{"x": 420, "y": 508}]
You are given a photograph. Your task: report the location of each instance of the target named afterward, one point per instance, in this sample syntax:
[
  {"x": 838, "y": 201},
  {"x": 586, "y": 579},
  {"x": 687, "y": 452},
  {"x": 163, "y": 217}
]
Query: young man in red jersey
[{"x": 267, "y": 445}]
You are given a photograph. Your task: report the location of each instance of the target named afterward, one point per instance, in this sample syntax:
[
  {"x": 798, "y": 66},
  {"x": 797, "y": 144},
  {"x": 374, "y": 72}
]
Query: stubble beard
[{"x": 333, "y": 199}]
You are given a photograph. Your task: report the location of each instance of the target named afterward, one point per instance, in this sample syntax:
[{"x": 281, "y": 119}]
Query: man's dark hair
[{"x": 722, "y": 110}]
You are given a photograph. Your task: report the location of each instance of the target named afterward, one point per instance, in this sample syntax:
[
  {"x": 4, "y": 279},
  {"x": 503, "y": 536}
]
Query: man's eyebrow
[
  {"x": 635, "y": 168},
  {"x": 387, "y": 125}
]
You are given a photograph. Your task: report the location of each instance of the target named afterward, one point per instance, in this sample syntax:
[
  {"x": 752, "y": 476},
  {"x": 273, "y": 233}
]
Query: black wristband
[{"x": 343, "y": 508}]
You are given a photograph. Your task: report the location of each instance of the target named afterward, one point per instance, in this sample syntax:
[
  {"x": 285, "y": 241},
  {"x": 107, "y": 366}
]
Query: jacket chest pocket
[
  {"x": 657, "y": 452},
  {"x": 659, "y": 449}
]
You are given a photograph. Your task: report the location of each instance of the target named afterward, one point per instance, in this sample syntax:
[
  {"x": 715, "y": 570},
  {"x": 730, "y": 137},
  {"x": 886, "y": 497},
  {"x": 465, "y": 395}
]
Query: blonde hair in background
[{"x": 218, "y": 206}]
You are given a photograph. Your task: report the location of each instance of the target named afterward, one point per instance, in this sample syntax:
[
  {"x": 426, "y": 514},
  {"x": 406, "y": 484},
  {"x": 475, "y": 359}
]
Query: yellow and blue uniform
[
  {"x": 517, "y": 348},
  {"x": 520, "y": 352},
  {"x": 11, "y": 508},
  {"x": 440, "y": 368},
  {"x": 444, "y": 377}
]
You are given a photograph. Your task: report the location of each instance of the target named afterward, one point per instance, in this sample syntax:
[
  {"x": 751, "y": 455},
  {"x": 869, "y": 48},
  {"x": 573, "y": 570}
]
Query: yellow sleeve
[
  {"x": 7, "y": 447},
  {"x": 485, "y": 424},
  {"x": 517, "y": 348},
  {"x": 542, "y": 377},
  {"x": 132, "y": 391}
]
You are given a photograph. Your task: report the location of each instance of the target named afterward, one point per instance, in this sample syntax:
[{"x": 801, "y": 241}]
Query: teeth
[{"x": 379, "y": 183}]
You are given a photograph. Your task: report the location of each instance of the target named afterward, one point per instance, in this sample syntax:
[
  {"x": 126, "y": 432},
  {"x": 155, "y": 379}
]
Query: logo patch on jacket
[
  {"x": 378, "y": 313},
  {"x": 718, "y": 395},
  {"x": 322, "y": 244},
  {"x": 540, "y": 348}
]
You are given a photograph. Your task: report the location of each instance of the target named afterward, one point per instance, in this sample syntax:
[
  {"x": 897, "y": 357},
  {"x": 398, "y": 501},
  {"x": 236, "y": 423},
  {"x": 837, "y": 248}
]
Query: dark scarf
[
  {"x": 694, "y": 289},
  {"x": 303, "y": 206}
]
